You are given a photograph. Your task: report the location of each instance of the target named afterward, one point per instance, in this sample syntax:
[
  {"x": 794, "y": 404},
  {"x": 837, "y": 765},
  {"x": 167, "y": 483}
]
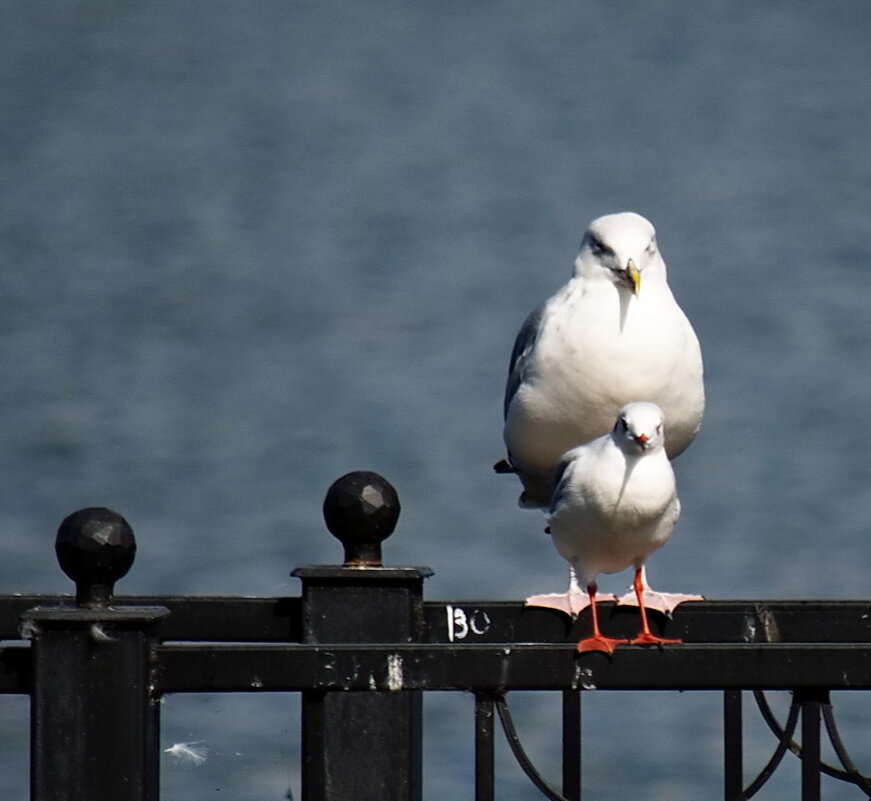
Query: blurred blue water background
[{"x": 248, "y": 247}]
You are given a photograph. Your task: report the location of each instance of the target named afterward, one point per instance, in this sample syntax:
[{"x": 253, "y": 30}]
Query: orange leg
[
  {"x": 597, "y": 642},
  {"x": 645, "y": 636}
]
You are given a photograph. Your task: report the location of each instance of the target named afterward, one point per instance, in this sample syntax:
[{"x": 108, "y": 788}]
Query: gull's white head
[
  {"x": 620, "y": 248},
  {"x": 640, "y": 428}
]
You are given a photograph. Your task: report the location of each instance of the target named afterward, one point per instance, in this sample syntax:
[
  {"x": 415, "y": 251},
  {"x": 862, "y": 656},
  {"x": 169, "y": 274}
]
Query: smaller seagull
[{"x": 614, "y": 503}]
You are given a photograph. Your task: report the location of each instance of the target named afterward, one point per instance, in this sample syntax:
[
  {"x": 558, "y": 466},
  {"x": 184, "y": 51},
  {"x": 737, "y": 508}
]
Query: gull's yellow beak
[{"x": 634, "y": 277}]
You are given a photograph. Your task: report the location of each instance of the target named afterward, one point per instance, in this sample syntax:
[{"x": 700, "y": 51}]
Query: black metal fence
[{"x": 361, "y": 645}]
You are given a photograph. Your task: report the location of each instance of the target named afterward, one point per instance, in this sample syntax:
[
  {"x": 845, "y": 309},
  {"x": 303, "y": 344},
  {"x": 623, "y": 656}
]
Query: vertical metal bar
[
  {"x": 572, "y": 745},
  {"x": 94, "y": 721},
  {"x": 733, "y": 745},
  {"x": 810, "y": 744},
  {"x": 362, "y": 745},
  {"x": 94, "y": 717},
  {"x": 485, "y": 789}
]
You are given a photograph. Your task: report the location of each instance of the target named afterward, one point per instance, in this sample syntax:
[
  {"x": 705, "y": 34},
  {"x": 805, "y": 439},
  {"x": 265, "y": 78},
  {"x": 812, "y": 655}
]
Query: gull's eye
[
  {"x": 651, "y": 248},
  {"x": 597, "y": 247}
]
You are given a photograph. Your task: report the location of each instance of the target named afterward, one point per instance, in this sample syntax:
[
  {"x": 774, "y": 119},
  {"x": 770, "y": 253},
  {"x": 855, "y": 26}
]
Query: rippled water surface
[{"x": 248, "y": 247}]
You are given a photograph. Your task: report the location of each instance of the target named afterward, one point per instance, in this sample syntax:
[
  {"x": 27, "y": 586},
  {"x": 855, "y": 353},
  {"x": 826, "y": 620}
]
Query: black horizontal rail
[
  {"x": 193, "y": 619},
  {"x": 295, "y": 667},
  {"x": 239, "y": 668},
  {"x": 737, "y": 621},
  {"x": 829, "y": 642},
  {"x": 265, "y": 620}
]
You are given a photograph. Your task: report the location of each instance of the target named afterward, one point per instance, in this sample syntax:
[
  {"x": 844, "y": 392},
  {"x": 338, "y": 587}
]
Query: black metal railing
[{"x": 361, "y": 645}]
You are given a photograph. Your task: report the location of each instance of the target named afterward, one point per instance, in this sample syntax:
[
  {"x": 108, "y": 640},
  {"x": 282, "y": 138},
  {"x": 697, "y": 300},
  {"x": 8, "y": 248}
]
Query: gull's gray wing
[
  {"x": 523, "y": 347},
  {"x": 560, "y": 479}
]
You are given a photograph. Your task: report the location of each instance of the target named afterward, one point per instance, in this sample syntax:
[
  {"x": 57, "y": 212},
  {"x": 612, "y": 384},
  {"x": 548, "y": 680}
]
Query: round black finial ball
[
  {"x": 95, "y": 547},
  {"x": 361, "y": 510}
]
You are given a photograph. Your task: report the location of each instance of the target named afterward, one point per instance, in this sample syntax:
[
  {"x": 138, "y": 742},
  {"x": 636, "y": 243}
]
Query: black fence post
[
  {"x": 572, "y": 745},
  {"x": 485, "y": 761},
  {"x": 811, "y": 701},
  {"x": 733, "y": 745},
  {"x": 364, "y": 746},
  {"x": 94, "y": 721}
]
